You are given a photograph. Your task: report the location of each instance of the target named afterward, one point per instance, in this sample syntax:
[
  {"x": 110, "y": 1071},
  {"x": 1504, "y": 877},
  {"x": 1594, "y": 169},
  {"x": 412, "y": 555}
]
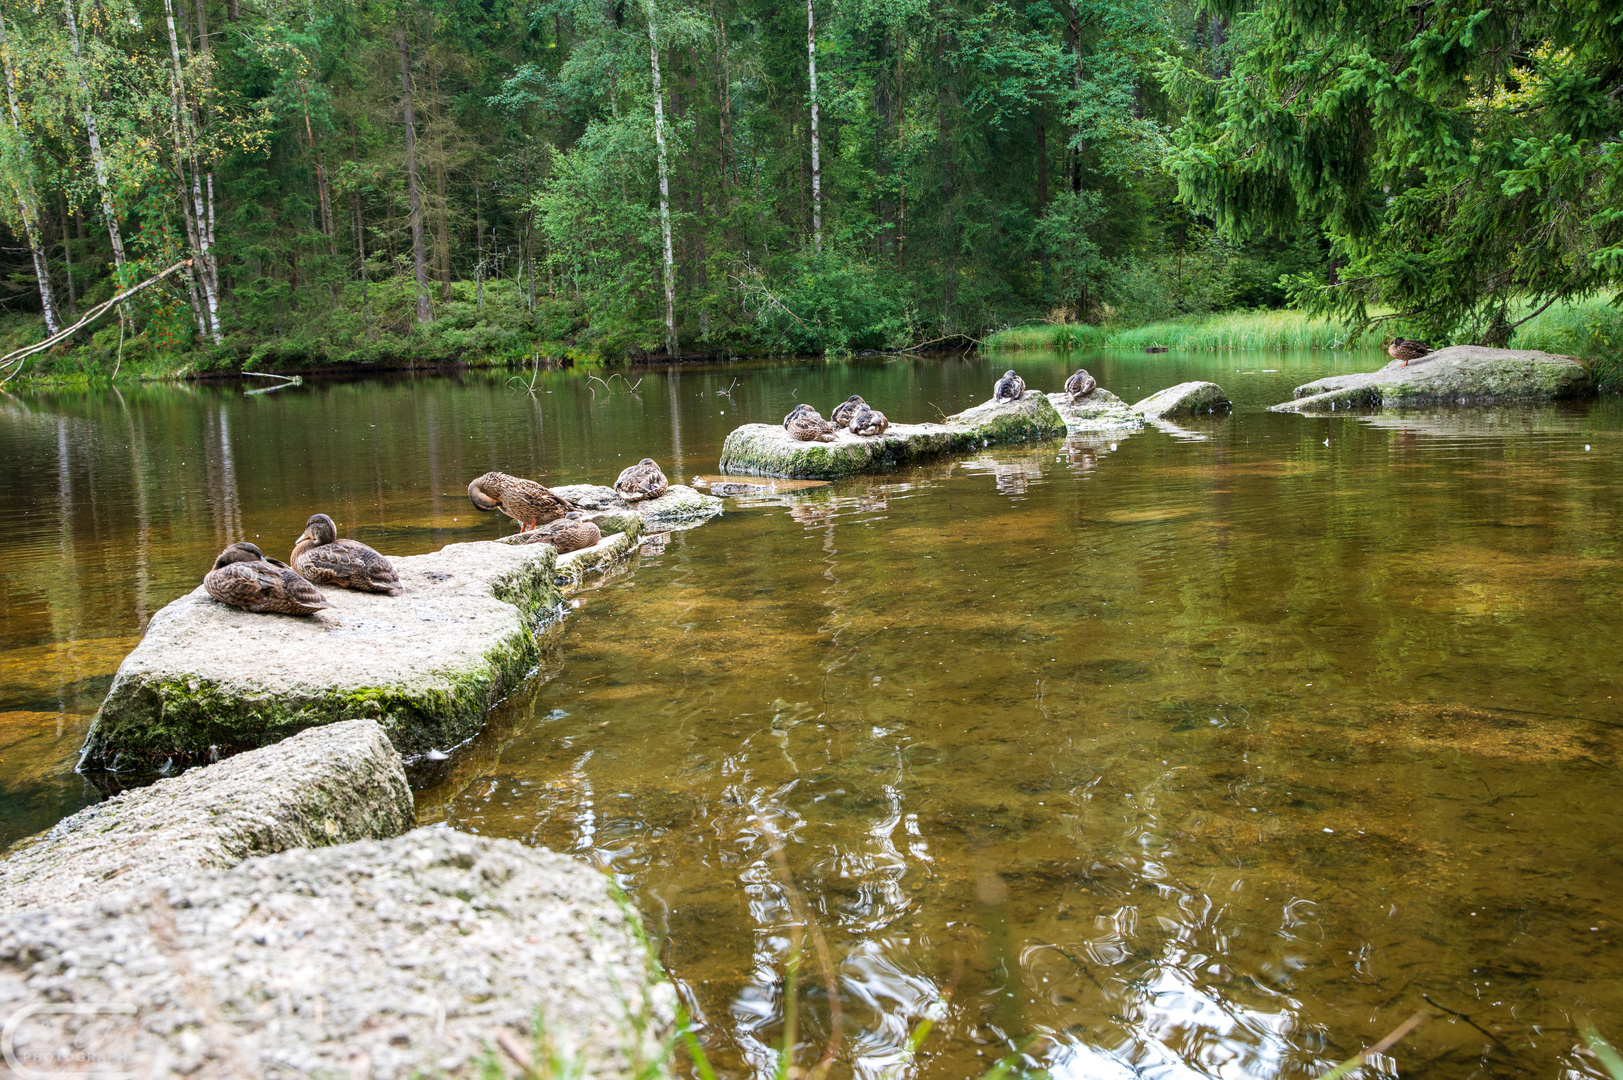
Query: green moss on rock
[{"x": 1462, "y": 374}]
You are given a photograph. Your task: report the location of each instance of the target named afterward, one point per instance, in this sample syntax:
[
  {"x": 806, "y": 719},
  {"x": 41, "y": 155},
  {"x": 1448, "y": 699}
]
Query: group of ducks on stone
[
  {"x": 245, "y": 577},
  {"x": 806, "y": 424}
]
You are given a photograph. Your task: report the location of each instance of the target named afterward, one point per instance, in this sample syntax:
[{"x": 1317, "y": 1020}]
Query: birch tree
[
  {"x": 816, "y": 160},
  {"x": 19, "y": 167},
  {"x": 414, "y": 193},
  {"x": 671, "y": 349}
]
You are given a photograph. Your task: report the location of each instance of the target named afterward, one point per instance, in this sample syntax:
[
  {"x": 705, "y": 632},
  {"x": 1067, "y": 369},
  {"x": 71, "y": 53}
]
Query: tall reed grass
[{"x": 1591, "y": 329}]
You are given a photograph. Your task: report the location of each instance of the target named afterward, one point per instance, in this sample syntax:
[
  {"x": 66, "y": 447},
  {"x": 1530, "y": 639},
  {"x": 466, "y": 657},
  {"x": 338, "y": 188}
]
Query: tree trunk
[
  {"x": 23, "y": 186},
  {"x": 98, "y": 160},
  {"x": 414, "y": 195},
  {"x": 67, "y": 255},
  {"x": 195, "y": 213},
  {"x": 816, "y": 163},
  {"x": 479, "y": 251},
  {"x": 442, "y": 222},
  {"x": 671, "y": 349}
]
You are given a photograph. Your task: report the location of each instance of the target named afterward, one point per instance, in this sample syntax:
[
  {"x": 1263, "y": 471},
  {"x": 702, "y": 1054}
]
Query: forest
[{"x": 360, "y": 182}]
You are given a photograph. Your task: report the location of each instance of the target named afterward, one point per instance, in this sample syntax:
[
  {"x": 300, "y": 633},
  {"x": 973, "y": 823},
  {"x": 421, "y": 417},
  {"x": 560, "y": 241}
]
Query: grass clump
[{"x": 1260, "y": 329}]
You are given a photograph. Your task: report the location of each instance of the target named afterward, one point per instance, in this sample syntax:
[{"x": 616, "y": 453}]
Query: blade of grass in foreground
[{"x": 1609, "y": 1058}]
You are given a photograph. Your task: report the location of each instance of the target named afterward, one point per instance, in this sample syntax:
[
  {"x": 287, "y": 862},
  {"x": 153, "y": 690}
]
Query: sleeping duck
[
  {"x": 642, "y": 481},
  {"x": 1009, "y": 388},
  {"x": 243, "y": 577},
  {"x": 866, "y": 421},
  {"x": 805, "y": 425},
  {"x": 571, "y": 533},
  {"x": 324, "y": 559},
  {"x": 525, "y": 501},
  {"x": 1080, "y": 385},
  {"x": 845, "y": 410}
]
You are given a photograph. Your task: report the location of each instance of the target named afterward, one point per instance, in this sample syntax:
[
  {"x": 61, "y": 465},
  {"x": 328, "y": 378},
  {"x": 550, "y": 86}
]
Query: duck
[
  {"x": 641, "y": 481},
  {"x": 525, "y": 501},
  {"x": 1407, "y": 349},
  {"x": 845, "y": 410},
  {"x": 868, "y": 421},
  {"x": 1009, "y": 388},
  {"x": 243, "y": 577},
  {"x": 804, "y": 424},
  {"x": 571, "y": 533},
  {"x": 323, "y": 559},
  {"x": 1080, "y": 385}
]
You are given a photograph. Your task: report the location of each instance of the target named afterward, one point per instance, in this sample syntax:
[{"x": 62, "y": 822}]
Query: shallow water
[{"x": 1216, "y": 752}]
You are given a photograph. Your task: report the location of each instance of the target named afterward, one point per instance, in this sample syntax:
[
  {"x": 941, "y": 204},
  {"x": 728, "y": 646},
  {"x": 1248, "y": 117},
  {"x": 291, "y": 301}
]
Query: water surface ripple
[{"x": 1215, "y": 752}]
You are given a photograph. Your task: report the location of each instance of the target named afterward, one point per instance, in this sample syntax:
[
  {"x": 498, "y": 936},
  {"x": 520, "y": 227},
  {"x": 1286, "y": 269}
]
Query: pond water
[{"x": 1214, "y": 752}]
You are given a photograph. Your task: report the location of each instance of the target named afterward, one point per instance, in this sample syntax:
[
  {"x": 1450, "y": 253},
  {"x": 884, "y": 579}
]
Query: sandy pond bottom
[{"x": 1212, "y": 753}]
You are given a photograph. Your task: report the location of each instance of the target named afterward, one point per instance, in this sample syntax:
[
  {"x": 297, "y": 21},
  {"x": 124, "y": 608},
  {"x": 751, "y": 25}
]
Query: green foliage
[{"x": 1462, "y": 156}]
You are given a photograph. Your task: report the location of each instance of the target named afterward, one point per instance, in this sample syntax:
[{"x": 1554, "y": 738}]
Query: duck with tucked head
[
  {"x": 1407, "y": 349},
  {"x": 867, "y": 422},
  {"x": 1080, "y": 385},
  {"x": 348, "y": 564},
  {"x": 642, "y": 481},
  {"x": 525, "y": 501},
  {"x": 805, "y": 424},
  {"x": 845, "y": 410},
  {"x": 1009, "y": 388},
  {"x": 570, "y": 533},
  {"x": 244, "y": 578}
]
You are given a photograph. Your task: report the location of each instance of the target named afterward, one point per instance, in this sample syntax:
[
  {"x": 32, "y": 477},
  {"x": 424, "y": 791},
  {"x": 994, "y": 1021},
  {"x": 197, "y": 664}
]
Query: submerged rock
[
  {"x": 394, "y": 958},
  {"x": 576, "y": 566},
  {"x": 767, "y": 450},
  {"x": 1460, "y": 374},
  {"x": 328, "y": 785},
  {"x": 1185, "y": 399},
  {"x": 1099, "y": 411},
  {"x": 208, "y": 681}
]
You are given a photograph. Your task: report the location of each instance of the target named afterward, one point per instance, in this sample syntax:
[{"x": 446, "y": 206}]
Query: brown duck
[
  {"x": 642, "y": 481},
  {"x": 244, "y": 578},
  {"x": 1009, "y": 388},
  {"x": 525, "y": 501},
  {"x": 1407, "y": 349},
  {"x": 571, "y": 533},
  {"x": 348, "y": 564},
  {"x": 804, "y": 424},
  {"x": 868, "y": 422},
  {"x": 845, "y": 410},
  {"x": 1080, "y": 385}
]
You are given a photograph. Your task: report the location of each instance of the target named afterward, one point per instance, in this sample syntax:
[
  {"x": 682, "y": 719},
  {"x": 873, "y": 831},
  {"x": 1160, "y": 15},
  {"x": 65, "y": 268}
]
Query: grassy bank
[{"x": 1590, "y": 328}]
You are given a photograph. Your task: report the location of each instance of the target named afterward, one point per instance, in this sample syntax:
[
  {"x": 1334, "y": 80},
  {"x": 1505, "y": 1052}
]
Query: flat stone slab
[
  {"x": 328, "y": 785},
  {"x": 208, "y": 681},
  {"x": 1459, "y": 374},
  {"x": 394, "y": 958},
  {"x": 1099, "y": 411},
  {"x": 767, "y": 449},
  {"x": 681, "y": 507},
  {"x": 1184, "y": 399},
  {"x": 578, "y": 566}
]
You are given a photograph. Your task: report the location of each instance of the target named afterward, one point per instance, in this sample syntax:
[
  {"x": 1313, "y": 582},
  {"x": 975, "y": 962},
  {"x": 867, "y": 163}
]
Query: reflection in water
[{"x": 1134, "y": 755}]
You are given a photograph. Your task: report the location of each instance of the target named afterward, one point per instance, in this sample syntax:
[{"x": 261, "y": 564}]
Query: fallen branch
[
  {"x": 937, "y": 341},
  {"x": 1355, "y": 1062},
  {"x": 15, "y": 359}
]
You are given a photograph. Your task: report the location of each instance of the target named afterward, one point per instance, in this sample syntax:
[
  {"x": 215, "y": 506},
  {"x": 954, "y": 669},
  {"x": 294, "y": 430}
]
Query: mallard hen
[
  {"x": 1009, "y": 388},
  {"x": 845, "y": 410},
  {"x": 1080, "y": 385},
  {"x": 525, "y": 501},
  {"x": 244, "y": 578},
  {"x": 868, "y": 422},
  {"x": 1407, "y": 349},
  {"x": 642, "y": 481},
  {"x": 324, "y": 559},
  {"x": 804, "y": 424},
  {"x": 571, "y": 533}
]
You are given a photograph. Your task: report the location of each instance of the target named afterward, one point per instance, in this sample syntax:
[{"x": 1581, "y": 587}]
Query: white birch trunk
[
  {"x": 664, "y": 191},
  {"x": 817, "y": 167},
  {"x": 98, "y": 159},
  {"x": 194, "y": 210},
  {"x": 23, "y": 186}
]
